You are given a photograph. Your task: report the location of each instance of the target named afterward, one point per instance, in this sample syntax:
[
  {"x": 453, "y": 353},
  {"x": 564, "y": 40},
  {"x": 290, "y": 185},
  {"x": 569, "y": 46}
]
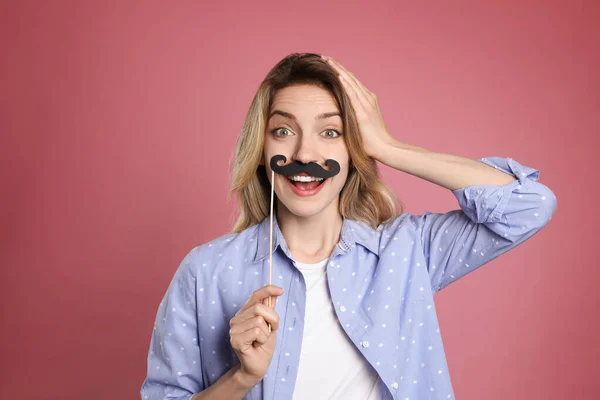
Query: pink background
[{"x": 118, "y": 120}]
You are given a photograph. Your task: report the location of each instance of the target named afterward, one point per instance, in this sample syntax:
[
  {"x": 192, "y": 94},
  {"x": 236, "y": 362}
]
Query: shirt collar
[{"x": 353, "y": 232}]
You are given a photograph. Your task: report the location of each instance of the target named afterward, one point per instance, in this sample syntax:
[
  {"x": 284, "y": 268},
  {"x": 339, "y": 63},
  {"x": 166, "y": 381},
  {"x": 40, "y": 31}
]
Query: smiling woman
[{"x": 359, "y": 275}]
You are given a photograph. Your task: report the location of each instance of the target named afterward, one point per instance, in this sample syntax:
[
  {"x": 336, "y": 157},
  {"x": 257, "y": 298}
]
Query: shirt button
[
  {"x": 364, "y": 344},
  {"x": 395, "y": 385},
  {"x": 342, "y": 308}
]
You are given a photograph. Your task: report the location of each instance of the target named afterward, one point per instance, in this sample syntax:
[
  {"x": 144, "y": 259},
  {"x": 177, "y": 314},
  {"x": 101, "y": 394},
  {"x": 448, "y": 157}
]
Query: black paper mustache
[{"x": 312, "y": 168}]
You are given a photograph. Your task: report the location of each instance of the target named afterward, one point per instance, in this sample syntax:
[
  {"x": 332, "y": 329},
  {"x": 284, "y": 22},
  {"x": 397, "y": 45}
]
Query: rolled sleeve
[
  {"x": 491, "y": 221},
  {"x": 485, "y": 204}
]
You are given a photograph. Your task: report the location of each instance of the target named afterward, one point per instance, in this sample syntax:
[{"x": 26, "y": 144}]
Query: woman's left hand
[{"x": 374, "y": 134}]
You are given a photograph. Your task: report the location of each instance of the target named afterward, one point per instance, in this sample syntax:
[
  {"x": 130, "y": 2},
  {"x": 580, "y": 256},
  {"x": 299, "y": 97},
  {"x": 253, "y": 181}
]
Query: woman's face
[{"x": 301, "y": 127}]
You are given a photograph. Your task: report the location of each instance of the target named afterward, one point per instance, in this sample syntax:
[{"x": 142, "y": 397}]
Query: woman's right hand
[{"x": 250, "y": 336}]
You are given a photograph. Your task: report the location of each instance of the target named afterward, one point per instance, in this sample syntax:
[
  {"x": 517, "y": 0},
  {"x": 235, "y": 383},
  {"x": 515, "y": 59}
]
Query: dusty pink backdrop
[{"x": 118, "y": 120}]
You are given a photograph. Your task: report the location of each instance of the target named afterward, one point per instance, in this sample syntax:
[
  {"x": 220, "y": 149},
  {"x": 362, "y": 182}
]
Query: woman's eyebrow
[{"x": 293, "y": 117}]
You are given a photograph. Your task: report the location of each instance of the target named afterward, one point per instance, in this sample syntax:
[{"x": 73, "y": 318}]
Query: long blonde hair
[{"x": 364, "y": 196}]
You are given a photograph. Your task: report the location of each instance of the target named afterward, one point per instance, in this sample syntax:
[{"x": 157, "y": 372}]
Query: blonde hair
[{"x": 364, "y": 196}]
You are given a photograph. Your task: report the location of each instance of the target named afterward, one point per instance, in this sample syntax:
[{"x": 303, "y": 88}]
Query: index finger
[{"x": 262, "y": 293}]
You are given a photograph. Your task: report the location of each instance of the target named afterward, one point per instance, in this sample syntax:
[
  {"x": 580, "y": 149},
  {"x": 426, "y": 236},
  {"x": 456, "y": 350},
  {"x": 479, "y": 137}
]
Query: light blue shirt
[{"x": 381, "y": 282}]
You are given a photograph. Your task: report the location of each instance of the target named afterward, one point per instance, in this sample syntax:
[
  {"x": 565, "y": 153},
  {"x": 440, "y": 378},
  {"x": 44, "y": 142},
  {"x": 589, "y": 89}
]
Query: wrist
[
  {"x": 384, "y": 150},
  {"x": 383, "y": 146},
  {"x": 242, "y": 379}
]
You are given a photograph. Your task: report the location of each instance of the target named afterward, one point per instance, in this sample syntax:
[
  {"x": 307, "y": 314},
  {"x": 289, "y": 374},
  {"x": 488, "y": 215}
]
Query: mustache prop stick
[{"x": 294, "y": 168}]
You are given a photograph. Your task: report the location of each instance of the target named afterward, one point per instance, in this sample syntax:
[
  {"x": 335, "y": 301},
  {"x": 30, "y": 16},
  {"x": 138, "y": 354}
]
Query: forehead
[{"x": 304, "y": 100}]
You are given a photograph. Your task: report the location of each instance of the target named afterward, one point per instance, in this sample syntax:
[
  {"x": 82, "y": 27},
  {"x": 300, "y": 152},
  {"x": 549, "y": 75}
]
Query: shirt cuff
[{"x": 486, "y": 204}]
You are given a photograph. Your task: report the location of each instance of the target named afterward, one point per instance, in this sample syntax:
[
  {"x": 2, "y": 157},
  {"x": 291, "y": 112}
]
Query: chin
[
  {"x": 305, "y": 207},
  {"x": 305, "y": 210}
]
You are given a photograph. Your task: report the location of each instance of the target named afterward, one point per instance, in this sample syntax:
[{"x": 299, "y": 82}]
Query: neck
[{"x": 310, "y": 239}]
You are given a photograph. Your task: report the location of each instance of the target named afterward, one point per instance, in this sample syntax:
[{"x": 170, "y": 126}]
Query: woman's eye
[
  {"x": 331, "y": 133},
  {"x": 280, "y": 132}
]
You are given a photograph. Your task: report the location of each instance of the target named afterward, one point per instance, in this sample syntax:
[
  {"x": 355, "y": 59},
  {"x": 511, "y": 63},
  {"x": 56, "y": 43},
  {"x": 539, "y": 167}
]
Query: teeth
[{"x": 303, "y": 178}]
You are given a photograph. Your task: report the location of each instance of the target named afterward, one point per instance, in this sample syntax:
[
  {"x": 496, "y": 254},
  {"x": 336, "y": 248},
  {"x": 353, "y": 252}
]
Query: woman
[{"x": 352, "y": 315}]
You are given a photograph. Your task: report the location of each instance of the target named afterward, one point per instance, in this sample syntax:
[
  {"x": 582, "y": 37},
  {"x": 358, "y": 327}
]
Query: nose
[{"x": 306, "y": 150}]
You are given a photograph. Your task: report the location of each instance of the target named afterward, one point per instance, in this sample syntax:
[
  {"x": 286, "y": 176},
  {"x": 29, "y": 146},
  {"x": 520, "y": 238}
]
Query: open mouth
[{"x": 304, "y": 182}]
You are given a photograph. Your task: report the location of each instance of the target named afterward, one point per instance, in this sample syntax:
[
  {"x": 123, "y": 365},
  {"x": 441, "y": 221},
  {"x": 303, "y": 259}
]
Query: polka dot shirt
[{"x": 382, "y": 282}]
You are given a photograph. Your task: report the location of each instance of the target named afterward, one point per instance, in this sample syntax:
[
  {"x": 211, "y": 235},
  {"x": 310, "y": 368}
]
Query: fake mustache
[{"x": 312, "y": 168}]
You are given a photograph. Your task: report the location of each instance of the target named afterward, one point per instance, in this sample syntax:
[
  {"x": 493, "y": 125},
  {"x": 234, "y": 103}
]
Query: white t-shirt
[{"x": 331, "y": 367}]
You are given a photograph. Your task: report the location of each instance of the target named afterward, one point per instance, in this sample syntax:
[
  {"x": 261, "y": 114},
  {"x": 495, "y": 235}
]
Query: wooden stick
[{"x": 271, "y": 238}]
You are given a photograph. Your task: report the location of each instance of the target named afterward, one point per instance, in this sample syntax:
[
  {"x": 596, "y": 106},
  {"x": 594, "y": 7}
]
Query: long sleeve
[
  {"x": 491, "y": 221},
  {"x": 174, "y": 370}
]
